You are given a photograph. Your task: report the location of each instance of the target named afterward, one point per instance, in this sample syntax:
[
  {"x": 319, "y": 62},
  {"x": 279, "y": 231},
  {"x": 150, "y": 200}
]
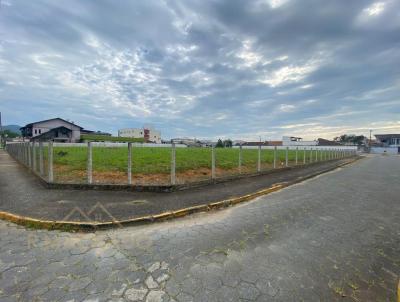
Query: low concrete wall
[
  {"x": 300, "y": 148},
  {"x": 384, "y": 150}
]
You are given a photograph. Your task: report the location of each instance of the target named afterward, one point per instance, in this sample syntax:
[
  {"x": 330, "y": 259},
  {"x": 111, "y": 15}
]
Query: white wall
[
  {"x": 354, "y": 148},
  {"x": 286, "y": 141},
  {"x": 382, "y": 150}
]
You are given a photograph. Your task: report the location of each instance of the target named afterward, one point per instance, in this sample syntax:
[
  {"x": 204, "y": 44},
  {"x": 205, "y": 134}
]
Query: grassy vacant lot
[
  {"x": 158, "y": 160},
  {"x": 154, "y": 164}
]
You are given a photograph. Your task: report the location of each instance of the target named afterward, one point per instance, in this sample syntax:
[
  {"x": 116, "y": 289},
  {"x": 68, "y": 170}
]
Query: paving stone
[
  {"x": 136, "y": 294},
  {"x": 150, "y": 283},
  {"x": 340, "y": 241},
  {"x": 155, "y": 296}
]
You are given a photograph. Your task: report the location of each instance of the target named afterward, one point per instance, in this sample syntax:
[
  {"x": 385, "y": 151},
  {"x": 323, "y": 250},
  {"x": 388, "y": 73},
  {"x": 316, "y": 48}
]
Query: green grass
[
  {"x": 158, "y": 160},
  {"x": 106, "y": 138}
]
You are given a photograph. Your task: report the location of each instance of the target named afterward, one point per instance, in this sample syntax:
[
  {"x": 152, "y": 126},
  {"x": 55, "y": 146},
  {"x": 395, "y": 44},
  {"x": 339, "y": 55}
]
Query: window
[
  {"x": 40, "y": 131},
  {"x": 35, "y": 131}
]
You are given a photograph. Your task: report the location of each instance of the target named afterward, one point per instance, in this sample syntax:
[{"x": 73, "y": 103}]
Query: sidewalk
[{"x": 22, "y": 193}]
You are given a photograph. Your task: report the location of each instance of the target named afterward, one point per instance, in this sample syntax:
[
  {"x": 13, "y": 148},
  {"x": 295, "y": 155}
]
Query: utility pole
[
  {"x": 1, "y": 132},
  {"x": 370, "y": 135}
]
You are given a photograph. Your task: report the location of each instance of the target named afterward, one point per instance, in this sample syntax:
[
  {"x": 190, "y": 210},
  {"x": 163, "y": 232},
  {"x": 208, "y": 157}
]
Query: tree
[
  {"x": 9, "y": 134},
  {"x": 219, "y": 144},
  {"x": 228, "y": 143},
  {"x": 350, "y": 139}
]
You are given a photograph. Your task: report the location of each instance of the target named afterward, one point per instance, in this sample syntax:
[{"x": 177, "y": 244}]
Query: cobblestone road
[{"x": 335, "y": 237}]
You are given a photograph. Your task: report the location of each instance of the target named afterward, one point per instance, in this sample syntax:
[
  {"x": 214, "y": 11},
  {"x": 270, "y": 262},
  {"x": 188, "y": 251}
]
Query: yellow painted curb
[
  {"x": 80, "y": 226},
  {"x": 398, "y": 292},
  {"x": 91, "y": 226}
]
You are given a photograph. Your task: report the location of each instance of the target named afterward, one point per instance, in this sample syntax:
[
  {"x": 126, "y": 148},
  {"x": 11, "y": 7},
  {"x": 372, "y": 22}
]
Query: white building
[
  {"x": 297, "y": 141},
  {"x": 386, "y": 144},
  {"x": 148, "y": 134}
]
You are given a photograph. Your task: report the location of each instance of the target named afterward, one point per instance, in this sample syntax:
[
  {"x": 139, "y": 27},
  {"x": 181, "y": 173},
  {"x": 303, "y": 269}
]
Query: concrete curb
[
  {"x": 398, "y": 292},
  {"x": 74, "y": 226}
]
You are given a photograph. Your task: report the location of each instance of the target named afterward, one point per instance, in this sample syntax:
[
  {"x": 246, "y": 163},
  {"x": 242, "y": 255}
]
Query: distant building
[
  {"x": 325, "y": 142},
  {"x": 252, "y": 144},
  {"x": 274, "y": 143},
  {"x": 386, "y": 143},
  {"x": 190, "y": 142},
  {"x": 296, "y": 141},
  {"x": 149, "y": 135},
  {"x": 388, "y": 140},
  {"x": 55, "y": 129}
]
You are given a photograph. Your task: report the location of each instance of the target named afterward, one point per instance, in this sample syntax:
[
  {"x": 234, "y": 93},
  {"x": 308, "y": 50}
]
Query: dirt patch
[{"x": 64, "y": 174}]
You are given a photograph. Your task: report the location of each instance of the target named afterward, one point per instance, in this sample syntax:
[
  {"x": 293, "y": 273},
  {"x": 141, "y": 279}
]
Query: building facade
[
  {"x": 148, "y": 134},
  {"x": 56, "y": 129},
  {"x": 296, "y": 141},
  {"x": 388, "y": 140},
  {"x": 386, "y": 144}
]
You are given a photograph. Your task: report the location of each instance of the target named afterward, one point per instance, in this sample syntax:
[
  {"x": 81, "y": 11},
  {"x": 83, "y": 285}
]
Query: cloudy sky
[{"x": 216, "y": 68}]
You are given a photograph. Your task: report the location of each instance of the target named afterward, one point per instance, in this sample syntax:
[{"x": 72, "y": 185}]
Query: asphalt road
[{"x": 332, "y": 238}]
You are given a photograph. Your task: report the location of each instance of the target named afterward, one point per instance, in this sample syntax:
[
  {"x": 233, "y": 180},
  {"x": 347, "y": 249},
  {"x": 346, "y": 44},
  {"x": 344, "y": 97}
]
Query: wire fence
[{"x": 166, "y": 164}]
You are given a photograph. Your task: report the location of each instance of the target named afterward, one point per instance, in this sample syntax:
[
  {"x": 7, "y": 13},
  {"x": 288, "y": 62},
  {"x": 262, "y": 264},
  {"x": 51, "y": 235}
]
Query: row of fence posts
[{"x": 26, "y": 154}]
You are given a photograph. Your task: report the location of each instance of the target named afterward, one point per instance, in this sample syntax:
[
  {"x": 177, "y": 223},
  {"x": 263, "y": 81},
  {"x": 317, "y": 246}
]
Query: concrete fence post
[
  {"x": 297, "y": 151},
  {"x": 240, "y": 159},
  {"x": 29, "y": 155},
  {"x": 89, "y": 163},
  {"x": 213, "y": 162},
  {"x": 23, "y": 153},
  {"x": 34, "y": 156},
  {"x": 287, "y": 157},
  {"x": 259, "y": 159},
  {"x": 27, "y": 163},
  {"x": 275, "y": 151},
  {"x": 311, "y": 155},
  {"x": 129, "y": 163},
  {"x": 173, "y": 164},
  {"x": 316, "y": 154},
  {"x": 50, "y": 162},
  {"x": 41, "y": 164},
  {"x": 304, "y": 156}
]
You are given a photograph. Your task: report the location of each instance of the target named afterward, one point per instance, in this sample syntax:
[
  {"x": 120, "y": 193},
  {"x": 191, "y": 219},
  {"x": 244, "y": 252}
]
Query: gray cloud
[{"x": 204, "y": 68}]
